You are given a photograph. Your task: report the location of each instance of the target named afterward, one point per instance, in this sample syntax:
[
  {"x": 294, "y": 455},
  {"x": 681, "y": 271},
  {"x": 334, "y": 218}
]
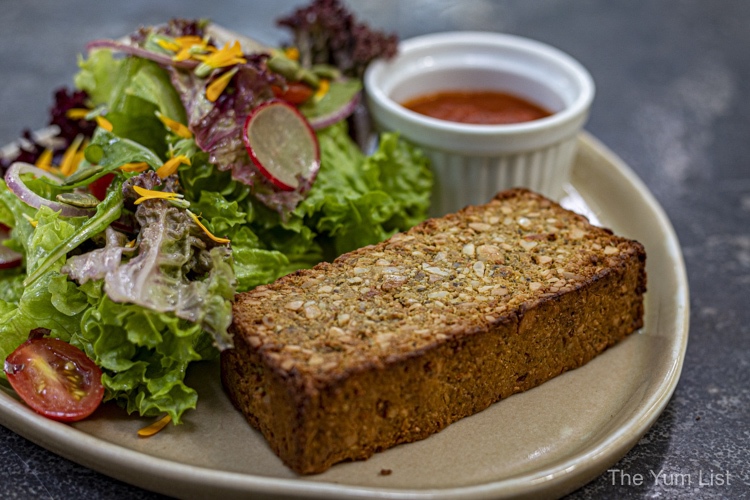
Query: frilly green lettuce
[{"x": 174, "y": 269}]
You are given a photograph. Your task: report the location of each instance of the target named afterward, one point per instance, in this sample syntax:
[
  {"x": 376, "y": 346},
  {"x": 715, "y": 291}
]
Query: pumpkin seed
[
  {"x": 80, "y": 200},
  {"x": 83, "y": 174},
  {"x": 326, "y": 71},
  {"x": 284, "y": 66}
]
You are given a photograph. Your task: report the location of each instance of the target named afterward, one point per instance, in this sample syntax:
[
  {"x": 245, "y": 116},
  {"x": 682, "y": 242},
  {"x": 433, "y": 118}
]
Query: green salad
[{"x": 129, "y": 236}]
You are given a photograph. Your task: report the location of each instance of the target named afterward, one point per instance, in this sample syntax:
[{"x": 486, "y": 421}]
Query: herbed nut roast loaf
[{"x": 393, "y": 342}]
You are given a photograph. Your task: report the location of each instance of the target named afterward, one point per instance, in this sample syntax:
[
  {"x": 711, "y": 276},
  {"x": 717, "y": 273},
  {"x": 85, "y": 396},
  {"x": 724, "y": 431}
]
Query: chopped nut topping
[
  {"x": 335, "y": 330},
  {"x": 478, "y": 268},
  {"x": 434, "y": 270},
  {"x": 577, "y": 233},
  {"x": 312, "y": 312},
  {"x": 316, "y": 360},
  {"x": 488, "y": 252},
  {"x": 480, "y": 226},
  {"x": 524, "y": 222},
  {"x": 294, "y": 305},
  {"x": 424, "y": 286}
]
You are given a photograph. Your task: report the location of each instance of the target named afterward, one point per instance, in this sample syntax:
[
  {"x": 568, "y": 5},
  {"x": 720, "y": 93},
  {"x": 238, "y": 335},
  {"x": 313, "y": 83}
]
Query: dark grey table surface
[{"x": 673, "y": 100}]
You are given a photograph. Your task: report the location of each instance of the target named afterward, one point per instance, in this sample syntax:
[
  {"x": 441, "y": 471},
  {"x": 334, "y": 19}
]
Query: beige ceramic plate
[{"x": 549, "y": 440}]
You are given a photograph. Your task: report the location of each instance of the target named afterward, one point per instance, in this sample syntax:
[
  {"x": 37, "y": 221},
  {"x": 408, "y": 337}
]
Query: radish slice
[
  {"x": 282, "y": 145},
  {"x": 8, "y": 257},
  {"x": 14, "y": 182}
]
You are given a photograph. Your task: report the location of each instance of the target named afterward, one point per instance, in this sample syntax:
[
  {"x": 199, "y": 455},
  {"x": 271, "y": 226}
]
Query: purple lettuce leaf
[
  {"x": 217, "y": 126},
  {"x": 325, "y": 32}
]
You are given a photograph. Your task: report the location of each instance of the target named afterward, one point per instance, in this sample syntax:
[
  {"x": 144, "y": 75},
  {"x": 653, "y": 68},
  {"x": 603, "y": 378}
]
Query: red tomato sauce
[{"x": 484, "y": 107}]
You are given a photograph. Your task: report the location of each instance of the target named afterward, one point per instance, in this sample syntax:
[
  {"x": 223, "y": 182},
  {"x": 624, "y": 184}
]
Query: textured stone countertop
[{"x": 673, "y": 101}]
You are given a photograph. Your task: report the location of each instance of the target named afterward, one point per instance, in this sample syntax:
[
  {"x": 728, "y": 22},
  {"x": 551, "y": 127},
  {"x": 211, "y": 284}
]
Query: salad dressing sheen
[{"x": 483, "y": 107}]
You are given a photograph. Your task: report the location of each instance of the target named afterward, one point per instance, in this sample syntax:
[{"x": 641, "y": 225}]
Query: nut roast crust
[{"x": 393, "y": 342}]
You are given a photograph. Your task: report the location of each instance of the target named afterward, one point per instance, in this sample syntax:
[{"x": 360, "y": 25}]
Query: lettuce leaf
[
  {"x": 358, "y": 200},
  {"x": 47, "y": 302},
  {"x": 174, "y": 270},
  {"x": 107, "y": 212},
  {"x": 403, "y": 172},
  {"x": 143, "y": 354},
  {"x": 132, "y": 90}
]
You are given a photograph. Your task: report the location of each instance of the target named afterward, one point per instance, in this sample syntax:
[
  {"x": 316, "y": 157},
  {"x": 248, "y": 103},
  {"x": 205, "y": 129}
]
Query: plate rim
[{"x": 169, "y": 477}]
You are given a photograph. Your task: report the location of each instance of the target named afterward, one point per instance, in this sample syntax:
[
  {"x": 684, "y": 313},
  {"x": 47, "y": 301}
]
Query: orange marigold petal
[
  {"x": 168, "y": 44},
  {"x": 217, "y": 87},
  {"x": 45, "y": 160},
  {"x": 205, "y": 229},
  {"x": 139, "y": 166},
  {"x": 175, "y": 126},
  {"x": 68, "y": 165},
  {"x": 152, "y": 429},
  {"x": 77, "y": 113},
  {"x": 104, "y": 123},
  {"x": 292, "y": 53},
  {"x": 148, "y": 194}
]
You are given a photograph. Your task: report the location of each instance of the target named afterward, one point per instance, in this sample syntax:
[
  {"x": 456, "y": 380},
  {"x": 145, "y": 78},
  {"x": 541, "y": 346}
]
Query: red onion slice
[
  {"x": 132, "y": 50},
  {"x": 14, "y": 182},
  {"x": 336, "y": 116}
]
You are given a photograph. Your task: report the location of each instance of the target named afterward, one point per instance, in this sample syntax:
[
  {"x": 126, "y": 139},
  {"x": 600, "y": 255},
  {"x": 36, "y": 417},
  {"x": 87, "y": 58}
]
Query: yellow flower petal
[
  {"x": 189, "y": 40},
  {"x": 205, "y": 229},
  {"x": 292, "y": 53},
  {"x": 45, "y": 160},
  {"x": 183, "y": 54},
  {"x": 190, "y": 46},
  {"x": 325, "y": 85},
  {"x": 216, "y": 87},
  {"x": 152, "y": 429},
  {"x": 229, "y": 55},
  {"x": 77, "y": 113},
  {"x": 175, "y": 126},
  {"x": 104, "y": 123},
  {"x": 148, "y": 194},
  {"x": 168, "y": 44},
  {"x": 171, "y": 166},
  {"x": 71, "y": 158},
  {"x": 139, "y": 166},
  {"x": 31, "y": 221}
]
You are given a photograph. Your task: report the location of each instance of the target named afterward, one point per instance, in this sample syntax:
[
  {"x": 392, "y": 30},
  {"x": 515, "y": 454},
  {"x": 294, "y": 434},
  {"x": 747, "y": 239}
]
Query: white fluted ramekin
[{"x": 473, "y": 162}]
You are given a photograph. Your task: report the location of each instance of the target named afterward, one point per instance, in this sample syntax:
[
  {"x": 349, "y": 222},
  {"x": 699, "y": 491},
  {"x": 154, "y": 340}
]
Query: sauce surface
[{"x": 483, "y": 107}]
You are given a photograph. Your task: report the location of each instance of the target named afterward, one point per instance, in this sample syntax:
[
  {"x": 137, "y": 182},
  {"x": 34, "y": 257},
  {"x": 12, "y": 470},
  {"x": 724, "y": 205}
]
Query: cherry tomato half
[
  {"x": 99, "y": 187},
  {"x": 296, "y": 92},
  {"x": 55, "y": 379}
]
